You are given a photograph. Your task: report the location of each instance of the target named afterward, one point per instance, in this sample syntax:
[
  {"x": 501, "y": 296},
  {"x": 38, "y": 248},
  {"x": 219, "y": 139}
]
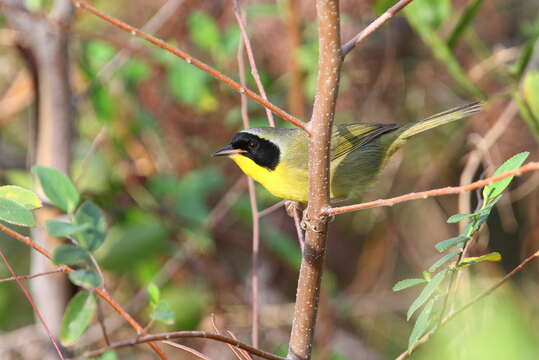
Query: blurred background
[{"x": 135, "y": 128}]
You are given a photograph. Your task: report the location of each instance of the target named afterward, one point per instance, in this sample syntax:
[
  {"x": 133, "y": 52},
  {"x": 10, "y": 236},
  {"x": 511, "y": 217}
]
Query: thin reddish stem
[
  {"x": 193, "y": 61},
  {"x": 532, "y": 166},
  {"x": 373, "y": 26}
]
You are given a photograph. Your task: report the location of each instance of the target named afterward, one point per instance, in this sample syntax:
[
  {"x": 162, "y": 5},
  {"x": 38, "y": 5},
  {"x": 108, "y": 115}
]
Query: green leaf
[
  {"x": 446, "y": 244},
  {"x": 59, "y": 189},
  {"x": 530, "y": 91},
  {"x": 91, "y": 216},
  {"x": 493, "y": 190},
  {"x": 459, "y": 217},
  {"x": 443, "y": 260},
  {"x": 22, "y": 196},
  {"x": 428, "y": 13},
  {"x": 429, "y": 289},
  {"x": 421, "y": 325},
  {"x": 464, "y": 22},
  {"x": 77, "y": 317},
  {"x": 85, "y": 278},
  {"x": 408, "y": 283},
  {"x": 153, "y": 293},
  {"x": 493, "y": 256},
  {"x": 68, "y": 254},
  {"x": 15, "y": 213},
  {"x": 163, "y": 313},
  {"x": 203, "y": 31},
  {"x": 64, "y": 229}
]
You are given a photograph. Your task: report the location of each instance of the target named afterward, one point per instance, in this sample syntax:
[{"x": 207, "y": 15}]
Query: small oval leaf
[
  {"x": 421, "y": 325},
  {"x": 408, "y": 283},
  {"x": 431, "y": 287},
  {"x": 85, "y": 278},
  {"x": 443, "y": 260},
  {"x": 58, "y": 188},
  {"x": 163, "y": 313},
  {"x": 68, "y": 254},
  {"x": 454, "y": 241},
  {"x": 77, "y": 317},
  {"x": 15, "y": 213},
  {"x": 64, "y": 229},
  {"x": 90, "y": 215},
  {"x": 20, "y": 195},
  {"x": 493, "y": 190}
]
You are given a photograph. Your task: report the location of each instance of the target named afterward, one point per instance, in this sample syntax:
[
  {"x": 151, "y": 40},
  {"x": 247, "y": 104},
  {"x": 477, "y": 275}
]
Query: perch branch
[{"x": 450, "y": 190}]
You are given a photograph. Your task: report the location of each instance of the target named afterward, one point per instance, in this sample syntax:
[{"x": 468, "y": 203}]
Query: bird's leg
[{"x": 293, "y": 209}]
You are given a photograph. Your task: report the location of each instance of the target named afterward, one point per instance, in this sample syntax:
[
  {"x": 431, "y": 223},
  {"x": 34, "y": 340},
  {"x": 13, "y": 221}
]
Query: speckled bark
[{"x": 307, "y": 299}]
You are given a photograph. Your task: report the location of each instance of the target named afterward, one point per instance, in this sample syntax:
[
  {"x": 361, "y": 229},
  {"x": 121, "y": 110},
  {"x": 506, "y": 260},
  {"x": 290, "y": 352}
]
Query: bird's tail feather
[{"x": 414, "y": 128}]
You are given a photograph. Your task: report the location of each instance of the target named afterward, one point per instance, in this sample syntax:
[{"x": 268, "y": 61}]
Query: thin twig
[
  {"x": 238, "y": 352},
  {"x": 373, "y": 26},
  {"x": 105, "y": 296},
  {"x": 251, "y": 58},
  {"x": 271, "y": 209},
  {"x": 490, "y": 290},
  {"x": 191, "y": 60},
  {"x": 254, "y": 206},
  {"x": 181, "y": 335},
  {"x": 26, "y": 277},
  {"x": 531, "y": 166},
  {"x": 101, "y": 321},
  {"x": 32, "y": 303}
]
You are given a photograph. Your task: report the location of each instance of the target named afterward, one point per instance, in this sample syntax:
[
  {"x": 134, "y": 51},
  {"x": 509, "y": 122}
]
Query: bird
[{"x": 277, "y": 158}]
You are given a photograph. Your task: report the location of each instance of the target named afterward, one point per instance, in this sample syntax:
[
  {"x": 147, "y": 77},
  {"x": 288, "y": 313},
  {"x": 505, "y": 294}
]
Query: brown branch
[
  {"x": 312, "y": 263},
  {"x": 27, "y": 277},
  {"x": 182, "y": 335},
  {"x": 450, "y": 190},
  {"x": 252, "y": 196},
  {"x": 490, "y": 290},
  {"x": 105, "y": 296},
  {"x": 33, "y": 304},
  {"x": 193, "y": 61},
  {"x": 373, "y": 26}
]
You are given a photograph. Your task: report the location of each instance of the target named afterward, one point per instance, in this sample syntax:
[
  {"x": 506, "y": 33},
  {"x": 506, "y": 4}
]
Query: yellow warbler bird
[{"x": 278, "y": 158}]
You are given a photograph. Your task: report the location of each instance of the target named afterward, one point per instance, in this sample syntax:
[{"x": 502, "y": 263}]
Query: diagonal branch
[
  {"x": 193, "y": 61},
  {"x": 531, "y": 166},
  {"x": 373, "y": 26}
]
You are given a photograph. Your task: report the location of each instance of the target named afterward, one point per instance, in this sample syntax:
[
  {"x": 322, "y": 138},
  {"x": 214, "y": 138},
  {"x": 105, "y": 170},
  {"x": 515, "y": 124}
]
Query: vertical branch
[
  {"x": 310, "y": 276},
  {"x": 46, "y": 43},
  {"x": 254, "y": 208}
]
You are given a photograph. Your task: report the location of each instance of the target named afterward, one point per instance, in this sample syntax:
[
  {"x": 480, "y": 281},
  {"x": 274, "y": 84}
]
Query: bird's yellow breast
[{"x": 284, "y": 182}]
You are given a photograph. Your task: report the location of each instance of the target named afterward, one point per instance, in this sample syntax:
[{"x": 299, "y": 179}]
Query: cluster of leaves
[
  {"x": 85, "y": 228},
  {"x": 432, "y": 297}
]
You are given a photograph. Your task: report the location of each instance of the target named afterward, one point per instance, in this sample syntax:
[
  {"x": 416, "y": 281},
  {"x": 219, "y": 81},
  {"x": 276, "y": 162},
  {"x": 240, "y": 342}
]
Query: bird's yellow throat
[{"x": 283, "y": 182}]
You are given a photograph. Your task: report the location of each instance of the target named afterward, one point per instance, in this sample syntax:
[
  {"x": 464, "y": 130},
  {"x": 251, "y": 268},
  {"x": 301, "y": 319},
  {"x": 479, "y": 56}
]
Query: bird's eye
[{"x": 252, "y": 145}]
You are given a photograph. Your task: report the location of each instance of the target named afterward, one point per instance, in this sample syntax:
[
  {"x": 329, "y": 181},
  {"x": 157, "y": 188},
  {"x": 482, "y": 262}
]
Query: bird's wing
[{"x": 347, "y": 138}]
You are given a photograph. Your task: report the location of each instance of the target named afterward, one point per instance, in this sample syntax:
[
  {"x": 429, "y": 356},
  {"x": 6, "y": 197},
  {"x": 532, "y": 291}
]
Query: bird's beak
[{"x": 228, "y": 150}]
